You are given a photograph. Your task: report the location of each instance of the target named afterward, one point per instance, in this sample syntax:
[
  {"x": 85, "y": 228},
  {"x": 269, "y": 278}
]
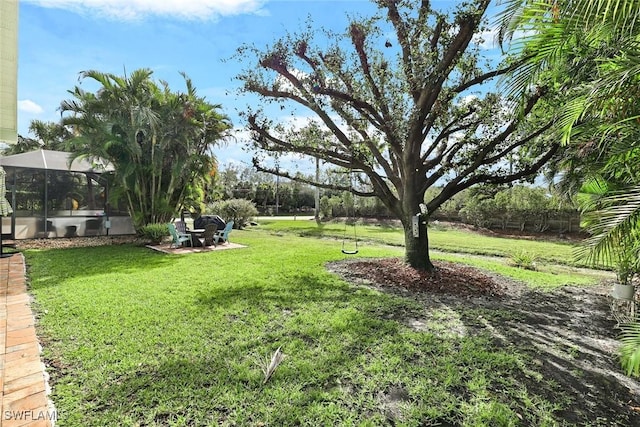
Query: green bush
[
  {"x": 524, "y": 259},
  {"x": 154, "y": 233},
  {"x": 479, "y": 211},
  {"x": 240, "y": 211}
]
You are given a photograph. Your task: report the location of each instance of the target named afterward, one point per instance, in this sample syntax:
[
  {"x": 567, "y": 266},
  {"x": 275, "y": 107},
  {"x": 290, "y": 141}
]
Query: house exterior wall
[{"x": 8, "y": 71}]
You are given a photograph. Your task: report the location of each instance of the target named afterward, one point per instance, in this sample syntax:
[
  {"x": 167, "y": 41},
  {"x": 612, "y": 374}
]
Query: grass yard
[
  {"x": 139, "y": 338},
  {"x": 441, "y": 238}
]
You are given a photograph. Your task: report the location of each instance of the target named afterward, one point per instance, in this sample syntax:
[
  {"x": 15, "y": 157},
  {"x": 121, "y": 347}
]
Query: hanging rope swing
[
  {"x": 353, "y": 250},
  {"x": 348, "y": 249}
]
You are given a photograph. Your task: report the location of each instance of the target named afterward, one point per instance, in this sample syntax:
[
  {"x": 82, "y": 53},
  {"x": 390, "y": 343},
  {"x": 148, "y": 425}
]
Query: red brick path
[{"x": 22, "y": 380}]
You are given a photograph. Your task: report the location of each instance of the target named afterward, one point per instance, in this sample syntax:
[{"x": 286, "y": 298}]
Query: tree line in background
[{"x": 516, "y": 207}]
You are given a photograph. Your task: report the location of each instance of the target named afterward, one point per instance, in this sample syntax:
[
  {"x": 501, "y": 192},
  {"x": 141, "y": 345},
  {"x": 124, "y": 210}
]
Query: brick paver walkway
[{"x": 22, "y": 381}]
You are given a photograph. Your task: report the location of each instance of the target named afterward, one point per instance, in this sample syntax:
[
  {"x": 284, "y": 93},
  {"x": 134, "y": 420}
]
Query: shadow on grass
[
  {"x": 293, "y": 290},
  {"x": 175, "y": 389},
  {"x": 569, "y": 339},
  {"x": 90, "y": 261},
  {"x": 317, "y": 384},
  {"x": 207, "y": 391},
  {"x": 303, "y": 291}
]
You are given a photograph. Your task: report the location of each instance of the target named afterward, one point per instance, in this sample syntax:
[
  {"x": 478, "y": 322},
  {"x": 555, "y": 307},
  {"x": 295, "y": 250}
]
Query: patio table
[{"x": 197, "y": 236}]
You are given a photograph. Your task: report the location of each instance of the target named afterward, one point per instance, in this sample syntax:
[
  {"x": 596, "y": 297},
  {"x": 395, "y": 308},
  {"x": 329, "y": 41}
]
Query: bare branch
[
  {"x": 486, "y": 76},
  {"x": 284, "y": 174},
  {"x": 405, "y": 45},
  {"x": 433, "y": 86}
]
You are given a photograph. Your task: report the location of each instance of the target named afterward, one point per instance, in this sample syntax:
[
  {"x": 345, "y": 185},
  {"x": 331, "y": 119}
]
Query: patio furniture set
[{"x": 198, "y": 237}]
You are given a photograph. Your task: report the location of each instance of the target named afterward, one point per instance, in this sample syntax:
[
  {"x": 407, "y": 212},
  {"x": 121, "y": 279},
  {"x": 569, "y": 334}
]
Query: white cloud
[
  {"x": 28, "y": 106},
  {"x": 488, "y": 39},
  {"x": 468, "y": 99},
  {"x": 140, "y": 9},
  {"x": 300, "y": 122}
]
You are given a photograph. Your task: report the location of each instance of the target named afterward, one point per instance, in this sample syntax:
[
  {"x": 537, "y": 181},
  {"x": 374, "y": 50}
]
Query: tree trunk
[{"x": 417, "y": 248}]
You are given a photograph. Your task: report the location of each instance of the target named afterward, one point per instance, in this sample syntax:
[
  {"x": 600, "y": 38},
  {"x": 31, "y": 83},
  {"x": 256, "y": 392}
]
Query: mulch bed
[
  {"x": 449, "y": 278},
  {"x": 78, "y": 242}
]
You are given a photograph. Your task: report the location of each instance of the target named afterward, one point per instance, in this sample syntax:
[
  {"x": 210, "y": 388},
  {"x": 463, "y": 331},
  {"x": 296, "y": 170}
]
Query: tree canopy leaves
[{"x": 159, "y": 140}]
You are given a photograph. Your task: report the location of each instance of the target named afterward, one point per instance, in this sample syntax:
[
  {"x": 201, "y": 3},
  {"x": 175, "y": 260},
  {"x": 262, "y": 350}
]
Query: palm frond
[
  {"x": 630, "y": 348},
  {"x": 597, "y": 12},
  {"x": 612, "y": 220}
]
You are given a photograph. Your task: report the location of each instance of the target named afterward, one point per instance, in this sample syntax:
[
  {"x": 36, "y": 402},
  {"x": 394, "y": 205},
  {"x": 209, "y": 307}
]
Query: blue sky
[{"x": 60, "y": 38}]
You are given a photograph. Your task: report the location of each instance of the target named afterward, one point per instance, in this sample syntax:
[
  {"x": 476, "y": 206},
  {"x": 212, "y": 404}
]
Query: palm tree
[
  {"x": 591, "y": 48},
  {"x": 549, "y": 32},
  {"x": 159, "y": 141},
  {"x": 46, "y": 135}
]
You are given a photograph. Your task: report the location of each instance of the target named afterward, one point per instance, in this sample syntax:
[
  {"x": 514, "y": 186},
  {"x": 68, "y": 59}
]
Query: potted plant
[{"x": 627, "y": 267}]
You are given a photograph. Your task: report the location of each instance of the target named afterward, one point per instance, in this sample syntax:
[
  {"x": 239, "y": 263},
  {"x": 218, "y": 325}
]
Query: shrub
[
  {"x": 524, "y": 259},
  {"x": 240, "y": 211},
  {"x": 154, "y": 233},
  {"x": 325, "y": 207},
  {"x": 478, "y": 211}
]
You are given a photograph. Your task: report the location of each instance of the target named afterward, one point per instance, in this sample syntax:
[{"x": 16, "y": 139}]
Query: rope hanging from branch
[{"x": 350, "y": 250}]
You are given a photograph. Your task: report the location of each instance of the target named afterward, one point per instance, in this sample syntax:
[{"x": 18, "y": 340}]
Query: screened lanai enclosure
[{"x": 53, "y": 196}]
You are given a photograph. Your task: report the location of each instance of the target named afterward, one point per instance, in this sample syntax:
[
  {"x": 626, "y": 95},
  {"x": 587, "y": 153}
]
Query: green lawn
[
  {"x": 440, "y": 238},
  {"x": 143, "y": 338}
]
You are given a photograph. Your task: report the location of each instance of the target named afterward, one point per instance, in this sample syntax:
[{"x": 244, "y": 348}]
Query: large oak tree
[{"x": 403, "y": 96}]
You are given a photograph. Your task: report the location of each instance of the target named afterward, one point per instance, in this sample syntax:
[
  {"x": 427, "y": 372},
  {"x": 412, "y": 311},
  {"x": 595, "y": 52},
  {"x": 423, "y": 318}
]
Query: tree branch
[
  {"x": 531, "y": 136},
  {"x": 298, "y": 178},
  {"x": 451, "y": 189},
  {"x": 486, "y": 76},
  {"x": 433, "y": 85},
  {"x": 405, "y": 46}
]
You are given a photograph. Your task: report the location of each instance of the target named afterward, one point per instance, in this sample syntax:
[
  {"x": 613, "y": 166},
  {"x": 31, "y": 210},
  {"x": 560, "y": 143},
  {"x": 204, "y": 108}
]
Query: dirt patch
[{"x": 570, "y": 333}]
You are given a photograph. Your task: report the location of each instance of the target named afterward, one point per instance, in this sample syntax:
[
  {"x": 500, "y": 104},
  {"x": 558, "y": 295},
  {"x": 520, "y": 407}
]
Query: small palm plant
[
  {"x": 627, "y": 268},
  {"x": 524, "y": 259},
  {"x": 627, "y": 265}
]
